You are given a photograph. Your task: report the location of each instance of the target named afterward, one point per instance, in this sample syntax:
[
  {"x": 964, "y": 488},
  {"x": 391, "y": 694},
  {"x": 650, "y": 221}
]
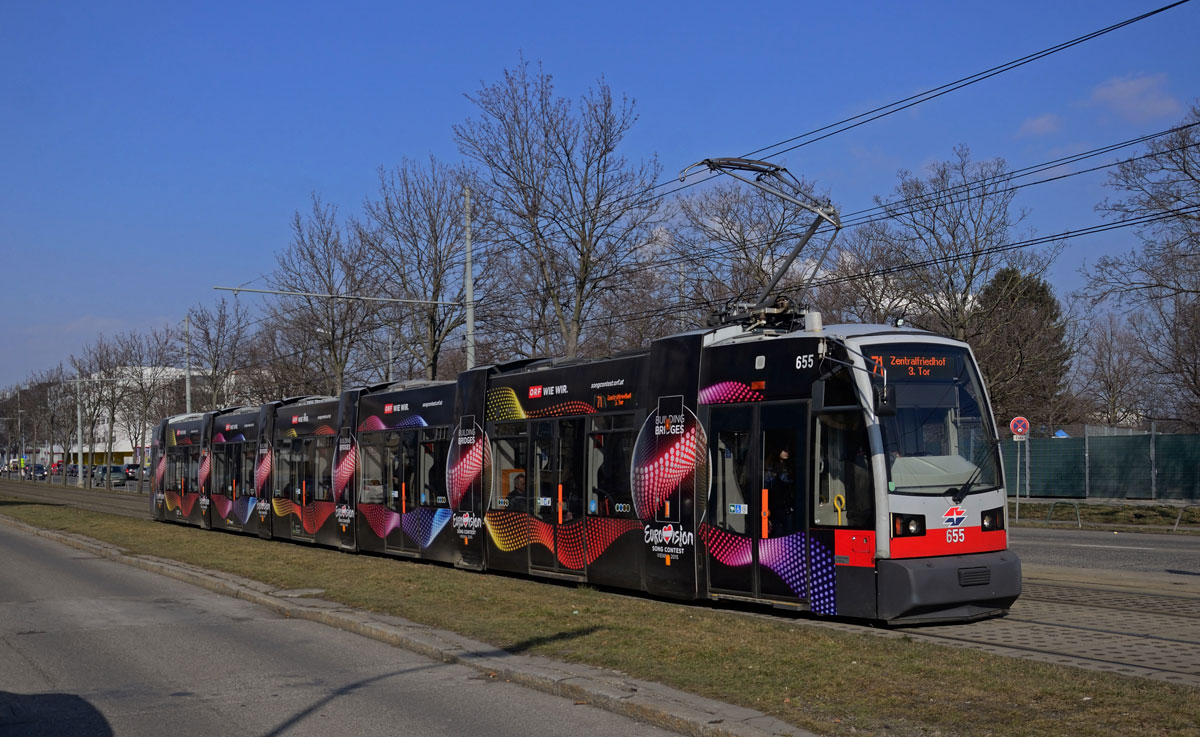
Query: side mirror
[{"x": 885, "y": 400}]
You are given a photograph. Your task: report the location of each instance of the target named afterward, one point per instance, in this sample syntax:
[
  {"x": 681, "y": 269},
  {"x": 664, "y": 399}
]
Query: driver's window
[{"x": 844, "y": 493}]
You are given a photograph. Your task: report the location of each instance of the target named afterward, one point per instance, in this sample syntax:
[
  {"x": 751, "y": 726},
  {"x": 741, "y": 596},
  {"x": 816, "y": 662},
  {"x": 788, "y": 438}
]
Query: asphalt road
[
  {"x": 1169, "y": 554},
  {"x": 90, "y": 647}
]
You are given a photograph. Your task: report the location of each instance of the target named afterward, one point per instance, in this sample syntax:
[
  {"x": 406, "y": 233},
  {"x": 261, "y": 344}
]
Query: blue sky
[{"x": 151, "y": 151}]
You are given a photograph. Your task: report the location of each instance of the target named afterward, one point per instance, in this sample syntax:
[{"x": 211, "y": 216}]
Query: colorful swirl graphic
[
  {"x": 464, "y": 470},
  {"x": 727, "y": 392},
  {"x": 160, "y": 471},
  {"x": 374, "y": 424},
  {"x": 786, "y": 557},
  {"x": 205, "y": 469},
  {"x": 658, "y": 471},
  {"x": 237, "y": 510},
  {"x": 422, "y": 525},
  {"x": 343, "y": 471},
  {"x": 222, "y": 504},
  {"x": 312, "y": 516},
  {"x": 564, "y": 408},
  {"x": 504, "y": 406},
  {"x": 183, "y": 502},
  {"x": 579, "y": 542},
  {"x": 262, "y": 472},
  {"x": 220, "y": 438},
  {"x": 321, "y": 430}
]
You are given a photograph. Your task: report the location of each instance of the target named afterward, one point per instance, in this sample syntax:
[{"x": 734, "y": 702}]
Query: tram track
[
  {"x": 128, "y": 504},
  {"x": 1101, "y": 627}
]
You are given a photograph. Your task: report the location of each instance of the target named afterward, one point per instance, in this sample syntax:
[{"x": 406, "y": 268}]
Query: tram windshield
[{"x": 942, "y": 436}]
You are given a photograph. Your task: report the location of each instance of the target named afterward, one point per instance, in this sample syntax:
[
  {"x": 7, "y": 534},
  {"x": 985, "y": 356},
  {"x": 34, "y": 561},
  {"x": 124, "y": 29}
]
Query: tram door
[
  {"x": 403, "y": 494},
  {"x": 556, "y": 496},
  {"x": 758, "y": 502}
]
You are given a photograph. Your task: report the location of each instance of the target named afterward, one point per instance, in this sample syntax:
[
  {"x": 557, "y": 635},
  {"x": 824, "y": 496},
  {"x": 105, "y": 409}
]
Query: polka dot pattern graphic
[{"x": 728, "y": 392}]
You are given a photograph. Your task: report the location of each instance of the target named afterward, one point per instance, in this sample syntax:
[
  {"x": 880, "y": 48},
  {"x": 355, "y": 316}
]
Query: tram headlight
[
  {"x": 992, "y": 519},
  {"x": 908, "y": 525}
]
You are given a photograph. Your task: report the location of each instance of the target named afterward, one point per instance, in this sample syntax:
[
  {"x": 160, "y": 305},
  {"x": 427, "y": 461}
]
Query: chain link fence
[{"x": 1091, "y": 461}]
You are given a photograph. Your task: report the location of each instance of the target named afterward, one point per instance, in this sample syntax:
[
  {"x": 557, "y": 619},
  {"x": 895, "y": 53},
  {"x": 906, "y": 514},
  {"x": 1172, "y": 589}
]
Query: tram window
[
  {"x": 540, "y": 479},
  {"x": 783, "y": 463},
  {"x": 609, "y": 449},
  {"x": 376, "y": 468},
  {"x": 729, "y": 501},
  {"x": 435, "y": 444},
  {"x": 246, "y": 480},
  {"x": 510, "y": 483},
  {"x": 193, "y": 470},
  {"x": 510, "y": 429},
  {"x": 404, "y": 472},
  {"x": 176, "y": 463},
  {"x": 844, "y": 493},
  {"x": 623, "y": 421},
  {"x": 282, "y": 463},
  {"x": 571, "y": 467},
  {"x": 323, "y": 467},
  {"x": 840, "y": 390}
]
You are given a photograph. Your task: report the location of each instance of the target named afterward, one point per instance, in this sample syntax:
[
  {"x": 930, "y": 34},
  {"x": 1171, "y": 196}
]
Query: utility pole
[
  {"x": 20, "y": 432},
  {"x": 468, "y": 279},
  {"x": 78, "y": 433},
  {"x": 187, "y": 352}
]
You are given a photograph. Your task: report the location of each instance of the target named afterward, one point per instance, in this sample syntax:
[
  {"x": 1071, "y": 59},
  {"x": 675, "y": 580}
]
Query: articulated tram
[{"x": 844, "y": 470}]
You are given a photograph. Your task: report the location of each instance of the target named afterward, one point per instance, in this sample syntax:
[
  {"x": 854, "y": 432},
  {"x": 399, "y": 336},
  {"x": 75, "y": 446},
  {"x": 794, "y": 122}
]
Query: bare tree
[
  {"x": 110, "y": 391},
  {"x": 88, "y": 372},
  {"x": 218, "y": 338},
  {"x": 57, "y": 409},
  {"x": 323, "y": 333},
  {"x": 1165, "y": 184},
  {"x": 949, "y": 225},
  {"x": 415, "y": 231},
  {"x": 732, "y": 239},
  {"x": 1162, "y": 278},
  {"x": 561, "y": 195},
  {"x": 1168, "y": 338},
  {"x": 147, "y": 377},
  {"x": 864, "y": 283},
  {"x": 1112, "y": 375}
]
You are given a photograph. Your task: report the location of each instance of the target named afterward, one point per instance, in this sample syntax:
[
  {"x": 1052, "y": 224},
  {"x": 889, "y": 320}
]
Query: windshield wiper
[{"x": 961, "y": 492}]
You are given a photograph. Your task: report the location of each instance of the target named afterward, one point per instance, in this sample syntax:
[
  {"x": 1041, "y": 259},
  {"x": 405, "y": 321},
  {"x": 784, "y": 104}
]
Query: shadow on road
[{"x": 50, "y": 715}]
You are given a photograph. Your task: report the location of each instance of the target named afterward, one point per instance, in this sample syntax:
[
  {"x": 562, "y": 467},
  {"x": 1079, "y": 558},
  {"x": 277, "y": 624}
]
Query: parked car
[
  {"x": 104, "y": 473},
  {"x": 131, "y": 471}
]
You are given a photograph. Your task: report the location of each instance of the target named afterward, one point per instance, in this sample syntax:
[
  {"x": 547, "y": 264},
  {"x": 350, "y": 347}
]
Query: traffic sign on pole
[{"x": 1019, "y": 426}]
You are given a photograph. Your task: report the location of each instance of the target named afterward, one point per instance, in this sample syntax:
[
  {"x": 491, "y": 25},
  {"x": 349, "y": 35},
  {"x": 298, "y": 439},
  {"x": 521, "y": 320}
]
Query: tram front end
[{"x": 936, "y": 478}]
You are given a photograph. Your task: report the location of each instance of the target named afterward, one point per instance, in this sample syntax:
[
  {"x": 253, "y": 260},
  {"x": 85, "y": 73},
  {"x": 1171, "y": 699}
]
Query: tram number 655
[
  {"x": 955, "y": 535},
  {"x": 804, "y": 362}
]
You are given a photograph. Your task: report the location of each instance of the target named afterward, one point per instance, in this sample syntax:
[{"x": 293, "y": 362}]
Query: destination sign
[{"x": 902, "y": 366}]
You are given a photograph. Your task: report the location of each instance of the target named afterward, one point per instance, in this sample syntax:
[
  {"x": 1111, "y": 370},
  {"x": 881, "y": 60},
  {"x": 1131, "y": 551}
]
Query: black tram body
[
  {"x": 182, "y": 468},
  {"x": 843, "y": 470}
]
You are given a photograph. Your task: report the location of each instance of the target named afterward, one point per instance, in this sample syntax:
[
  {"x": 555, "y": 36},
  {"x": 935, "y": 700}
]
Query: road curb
[{"x": 645, "y": 701}]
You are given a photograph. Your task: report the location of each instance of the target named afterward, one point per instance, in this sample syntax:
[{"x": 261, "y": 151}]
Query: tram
[{"x": 842, "y": 470}]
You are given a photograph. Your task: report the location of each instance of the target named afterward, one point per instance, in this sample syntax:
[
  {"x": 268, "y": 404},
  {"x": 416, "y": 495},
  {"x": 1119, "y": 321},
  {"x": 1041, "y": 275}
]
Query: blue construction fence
[{"x": 1084, "y": 462}]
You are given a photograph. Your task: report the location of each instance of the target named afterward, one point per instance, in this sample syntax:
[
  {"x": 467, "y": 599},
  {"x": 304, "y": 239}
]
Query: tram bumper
[{"x": 947, "y": 589}]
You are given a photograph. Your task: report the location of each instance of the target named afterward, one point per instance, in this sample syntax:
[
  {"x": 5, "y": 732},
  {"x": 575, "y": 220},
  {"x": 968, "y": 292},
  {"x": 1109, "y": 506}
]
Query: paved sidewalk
[{"x": 645, "y": 701}]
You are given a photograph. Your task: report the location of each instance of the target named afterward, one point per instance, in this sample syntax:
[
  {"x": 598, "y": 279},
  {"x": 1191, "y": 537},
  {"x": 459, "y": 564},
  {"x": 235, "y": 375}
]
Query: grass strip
[
  {"x": 1138, "y": 518},
  {"x": 820, "y": 679}
]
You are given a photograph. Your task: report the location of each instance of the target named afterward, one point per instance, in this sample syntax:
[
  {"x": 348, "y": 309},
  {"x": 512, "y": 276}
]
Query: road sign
[{"x": 1019, "y": 426}]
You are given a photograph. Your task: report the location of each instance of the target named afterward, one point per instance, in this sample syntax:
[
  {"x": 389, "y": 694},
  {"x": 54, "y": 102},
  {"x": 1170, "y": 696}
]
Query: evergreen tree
[{"x": 1023, "y": 350}]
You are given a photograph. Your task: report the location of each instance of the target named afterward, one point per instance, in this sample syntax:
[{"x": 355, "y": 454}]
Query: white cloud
[
  {"x": 1137, "y": 99},
  {"x": 1041, "y": 125}
]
